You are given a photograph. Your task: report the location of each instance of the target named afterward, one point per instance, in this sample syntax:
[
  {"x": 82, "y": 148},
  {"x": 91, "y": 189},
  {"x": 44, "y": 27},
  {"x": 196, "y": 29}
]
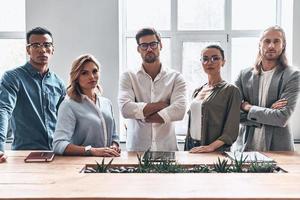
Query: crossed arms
[
  {"x": 280, "y": 110},
  {"x": 172, "y": 109}
]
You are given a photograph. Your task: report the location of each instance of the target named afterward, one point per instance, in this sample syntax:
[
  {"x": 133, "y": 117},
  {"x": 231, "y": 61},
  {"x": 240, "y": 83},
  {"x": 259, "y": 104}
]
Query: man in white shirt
[
  {"x": 269, "y": 92},
  {"x": 152, "y": 98}
]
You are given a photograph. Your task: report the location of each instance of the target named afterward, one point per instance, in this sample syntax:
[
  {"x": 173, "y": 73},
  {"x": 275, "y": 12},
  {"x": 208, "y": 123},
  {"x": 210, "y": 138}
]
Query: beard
[
  {"x": 150, "y": 57},
  {"x": 272, "y": 55}
]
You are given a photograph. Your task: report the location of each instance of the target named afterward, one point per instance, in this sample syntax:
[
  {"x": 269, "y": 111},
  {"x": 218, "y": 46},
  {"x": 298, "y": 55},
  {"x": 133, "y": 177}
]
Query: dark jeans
[{"x": 191, "y": 143}]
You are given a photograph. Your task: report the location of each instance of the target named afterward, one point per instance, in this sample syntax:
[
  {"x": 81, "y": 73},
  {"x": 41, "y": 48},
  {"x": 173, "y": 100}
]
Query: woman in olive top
[
  {"x": 214, "y": 113},
  {"x": 85, "y": 124}
]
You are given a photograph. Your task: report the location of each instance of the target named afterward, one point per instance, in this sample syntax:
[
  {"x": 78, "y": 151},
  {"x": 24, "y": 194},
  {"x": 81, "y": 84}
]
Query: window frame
[{"x": 177, "y": 37}]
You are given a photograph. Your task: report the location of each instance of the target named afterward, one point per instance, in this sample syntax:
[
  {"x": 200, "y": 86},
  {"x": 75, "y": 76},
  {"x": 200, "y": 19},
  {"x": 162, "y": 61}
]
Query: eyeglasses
[
  {"x": 213, "y": 59},
  {"x": 152, "y": 45},
  {"x": 46, "y": 45}
]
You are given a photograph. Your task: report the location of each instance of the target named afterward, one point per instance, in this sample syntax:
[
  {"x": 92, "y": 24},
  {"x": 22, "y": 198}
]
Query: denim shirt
[{"x": 31, "y": 102}]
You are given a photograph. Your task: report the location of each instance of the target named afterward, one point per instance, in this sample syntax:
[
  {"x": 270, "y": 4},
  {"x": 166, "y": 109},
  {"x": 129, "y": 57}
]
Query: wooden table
[{"x": 61, "y": 179}]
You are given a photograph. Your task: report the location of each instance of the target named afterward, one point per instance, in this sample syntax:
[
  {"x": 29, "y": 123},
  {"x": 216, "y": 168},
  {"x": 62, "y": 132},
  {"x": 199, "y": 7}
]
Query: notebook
[
  {"x": 157, "y": 156},
  {"x": 249, "y": 156},
  {"x": 39, "y": 156}
]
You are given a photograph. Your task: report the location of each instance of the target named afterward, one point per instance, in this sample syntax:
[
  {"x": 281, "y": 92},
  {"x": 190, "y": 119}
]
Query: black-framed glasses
[
  {"x": 213, "y": 59},
  {"x": 36, "y": 45},
  {"x": 145, "y": 46}
]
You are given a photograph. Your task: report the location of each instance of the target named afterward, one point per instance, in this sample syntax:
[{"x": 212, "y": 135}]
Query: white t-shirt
[
  {"x": 258, "y": 141},
  {"x": 196, "y": 112}
]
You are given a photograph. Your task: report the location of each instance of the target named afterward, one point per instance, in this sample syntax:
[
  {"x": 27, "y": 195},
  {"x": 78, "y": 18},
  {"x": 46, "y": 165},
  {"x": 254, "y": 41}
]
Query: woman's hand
[
  {"x": 208, "y": 148},
  {"x": 202, "y": 149},
  {"x": 105, "y": 152},
  {"x": 116, "y": 147}
]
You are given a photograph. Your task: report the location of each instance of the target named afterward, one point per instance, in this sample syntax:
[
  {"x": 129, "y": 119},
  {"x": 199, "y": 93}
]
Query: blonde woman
[{"x": 86, "y": 124}]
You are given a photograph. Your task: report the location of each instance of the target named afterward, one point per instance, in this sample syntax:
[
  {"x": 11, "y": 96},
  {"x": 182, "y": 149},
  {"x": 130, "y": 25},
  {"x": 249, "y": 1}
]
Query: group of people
[{"x": 251, "y": 114}]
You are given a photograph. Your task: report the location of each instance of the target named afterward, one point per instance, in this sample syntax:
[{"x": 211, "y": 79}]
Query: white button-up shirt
[{"x": 136, "y": 90}]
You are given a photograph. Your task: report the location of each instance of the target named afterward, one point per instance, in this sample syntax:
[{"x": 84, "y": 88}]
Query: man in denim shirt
[{"x": 30, "y": 96}]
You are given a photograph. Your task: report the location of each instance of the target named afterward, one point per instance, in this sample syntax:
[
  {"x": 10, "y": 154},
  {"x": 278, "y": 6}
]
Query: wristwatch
[{"x": 87, "y": 150}]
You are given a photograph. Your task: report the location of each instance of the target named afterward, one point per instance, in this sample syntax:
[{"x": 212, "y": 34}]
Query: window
[
  {"x": 187, "y": 26},
  {"x": 12, "y": 34},
  {"x": 201, "y": 15}
]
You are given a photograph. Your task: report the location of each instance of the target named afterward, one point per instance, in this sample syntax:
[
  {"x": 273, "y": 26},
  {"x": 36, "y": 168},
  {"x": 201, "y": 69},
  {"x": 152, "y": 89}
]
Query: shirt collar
[
  {"x": 163, "y": 70},
  {"x": 85, "y": 97},
  {"x": 220, "y": 84},
  {"x": 35, "y": 72}
]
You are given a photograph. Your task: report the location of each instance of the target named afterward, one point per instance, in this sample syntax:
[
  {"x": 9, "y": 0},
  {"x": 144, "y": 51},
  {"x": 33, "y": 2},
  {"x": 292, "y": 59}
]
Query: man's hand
[
  {"x": 152, "y": 108},
  {"x": 281, "y": 103},
  {"x": 245, "y": 106},
  {"x": 104, "y": 152},
  {"x": 3, "y": 157},
  {"x": 155, "y": 118}
]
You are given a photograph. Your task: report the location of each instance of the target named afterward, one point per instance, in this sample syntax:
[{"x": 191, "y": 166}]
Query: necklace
[{"x": 215, "y": 84}]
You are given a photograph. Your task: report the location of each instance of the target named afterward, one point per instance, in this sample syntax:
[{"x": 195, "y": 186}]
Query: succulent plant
[
  {"x": 102, "y": 168},
  {"x": 261, "y": 167},
  {"x": 221, "y": 166},
  {"x": 146, "y": 165},
  {"x": 238, "y": 164}
]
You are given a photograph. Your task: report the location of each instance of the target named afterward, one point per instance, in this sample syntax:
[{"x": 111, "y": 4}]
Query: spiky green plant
[
  {"x": 238, "y": 164},
  {"x": 261, "y": 167},
  {"x": 221, "y": 166},
  {"x": 200, "y": 169},
  {"x": 167, "y": 166},
  {"x": 103, "y": 168},
  {"x": 145, "y": 165}
]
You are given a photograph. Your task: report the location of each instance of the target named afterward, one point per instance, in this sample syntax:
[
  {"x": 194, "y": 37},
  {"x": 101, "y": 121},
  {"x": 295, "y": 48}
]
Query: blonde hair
[
  {"x": 282, "y": 58},
  {"x": 74, "y": 90}
]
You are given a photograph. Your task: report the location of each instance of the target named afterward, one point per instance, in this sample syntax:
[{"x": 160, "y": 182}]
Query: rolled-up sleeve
[
  {"x": 65, "y": 127},
  {"x": 178, "y": 102},
  {"x": 129, "y": 108},
  {"x": 115, "y": 136},
  {"x": 8, "y": 96}
]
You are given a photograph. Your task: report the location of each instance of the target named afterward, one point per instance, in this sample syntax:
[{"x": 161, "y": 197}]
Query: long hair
[
  {"x": 282, "y": 58},
  {"x": 74, "y": 90}
]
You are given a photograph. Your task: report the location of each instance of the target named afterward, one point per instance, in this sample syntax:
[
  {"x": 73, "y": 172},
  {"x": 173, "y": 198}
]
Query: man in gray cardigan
[{"x": 269, "y": 92}]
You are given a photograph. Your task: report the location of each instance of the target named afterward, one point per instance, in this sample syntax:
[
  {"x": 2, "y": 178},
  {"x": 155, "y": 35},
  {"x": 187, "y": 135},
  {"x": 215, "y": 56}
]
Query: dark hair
[
  {"x": 214, "y": 46},
  {"x": 282, "y": 58},
  {"x": 38, "y": 31},
  {"x": 147, "y": 31}
]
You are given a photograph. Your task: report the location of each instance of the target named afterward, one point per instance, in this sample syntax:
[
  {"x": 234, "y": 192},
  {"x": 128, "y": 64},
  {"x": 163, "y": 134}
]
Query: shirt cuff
[
  {"x": 164, "y": 114},
  {"x": 60, "y": 147},
  {"x": 139, "y": 111},
  {"x": 251, "y": 113},
  {"x": 2, "y": 146}
]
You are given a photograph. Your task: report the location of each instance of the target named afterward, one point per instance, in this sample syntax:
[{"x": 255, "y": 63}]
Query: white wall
[
  {"x": 296, "y": 62},
  {"x": 78, "y": 27}
]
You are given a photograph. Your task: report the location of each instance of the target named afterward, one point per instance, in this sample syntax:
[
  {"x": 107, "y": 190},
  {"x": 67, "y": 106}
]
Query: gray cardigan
[
  {"x": 284, "y": 84},
  {"x": 81, "y": 124},
  {"x": 220, "y": 115}
]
